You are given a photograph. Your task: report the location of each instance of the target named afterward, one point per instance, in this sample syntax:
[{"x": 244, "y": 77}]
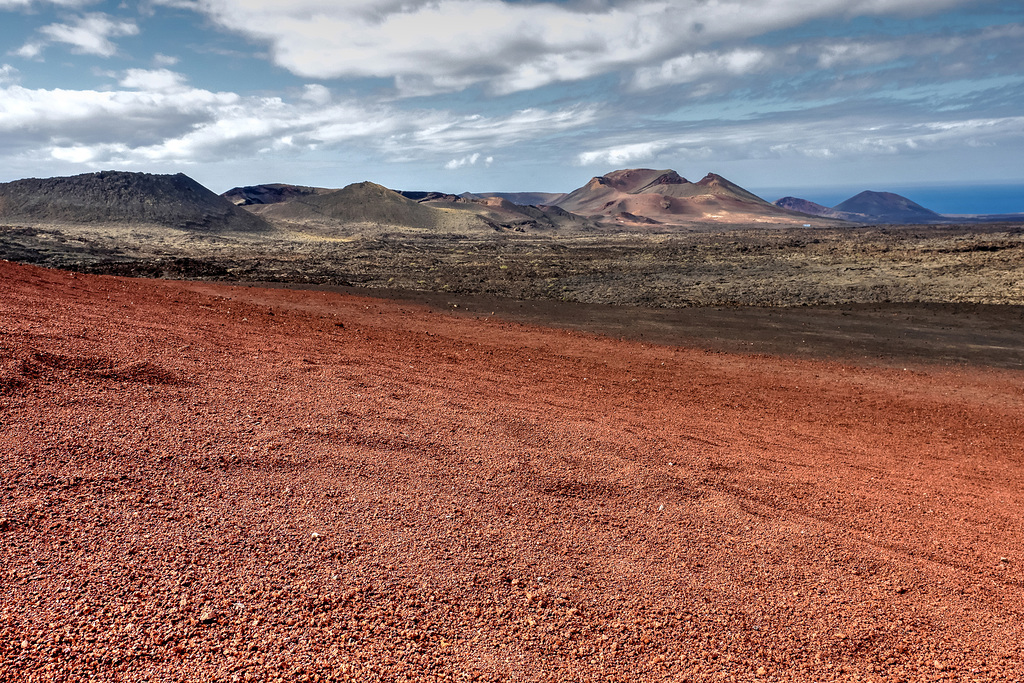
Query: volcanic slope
[
  {"x": 205, "y": 482},
  {"x": 359, "y": 204},
  {"x": 367, "y": 207},
  {"x": 521, "y": 198},
  {"x": 869, "y": 207},
  {"x": 119, "y": 198},
  {"x": 887, "y": 207},
  {"x": 271, "y": 193},
  {"x": 815, "y": 209},
  {"x": 501, "y": 213},
  {"x": 639, "y": 196}
]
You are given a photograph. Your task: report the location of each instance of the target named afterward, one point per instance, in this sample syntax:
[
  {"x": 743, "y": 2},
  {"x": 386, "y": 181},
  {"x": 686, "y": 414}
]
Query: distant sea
[{"x": 969, "y": 199}]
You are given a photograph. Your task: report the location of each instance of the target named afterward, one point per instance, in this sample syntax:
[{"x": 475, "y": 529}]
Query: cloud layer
[
  {"x": 551, "y": 89},
  {"x": 448, "y": 45},
  {"x": 174, "y": 122}
]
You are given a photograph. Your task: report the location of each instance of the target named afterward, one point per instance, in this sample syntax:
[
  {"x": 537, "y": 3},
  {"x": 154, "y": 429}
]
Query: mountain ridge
[{"x": 644, "y": 196}]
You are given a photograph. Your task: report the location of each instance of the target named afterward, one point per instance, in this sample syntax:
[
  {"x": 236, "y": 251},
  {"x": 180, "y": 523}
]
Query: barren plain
[
  {"x": 737, "y": 266},
  {"x": 213, "y": 482}
]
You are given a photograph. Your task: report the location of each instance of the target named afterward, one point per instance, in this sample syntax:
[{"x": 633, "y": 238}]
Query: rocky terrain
[
  {"x": 368, "y": 235},
  {"x": 750, "y": 266},
  {"x": 204, "y": 482}
]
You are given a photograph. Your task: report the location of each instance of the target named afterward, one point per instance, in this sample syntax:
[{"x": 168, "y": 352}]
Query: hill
[
  {"x": 367, "y": 206},
  {"x": 645, "y": 196},
  {"x": 813, "y": 209},
  {"x": 359, "y": 204},
  {"x": 868, "y": 207},
  {"x": 520, "y": 198},
  {"x": 887, "y": 207},
  {"x": 501, "y": 213},
  {"x": 120, "y": 198},
  {"x": 272, "y": 193}
]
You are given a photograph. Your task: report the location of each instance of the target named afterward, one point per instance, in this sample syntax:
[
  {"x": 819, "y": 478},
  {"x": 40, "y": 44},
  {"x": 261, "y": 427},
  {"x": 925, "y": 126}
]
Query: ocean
[{"x": 956, "y": 199}]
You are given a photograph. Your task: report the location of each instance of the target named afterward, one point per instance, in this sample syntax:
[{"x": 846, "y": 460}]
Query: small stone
[
  {"x": 761, "y": 671},
  {"x": 315, "y": 535},
  {"x": 939, "y": 665},
  {"x": 207, "y": 616}
]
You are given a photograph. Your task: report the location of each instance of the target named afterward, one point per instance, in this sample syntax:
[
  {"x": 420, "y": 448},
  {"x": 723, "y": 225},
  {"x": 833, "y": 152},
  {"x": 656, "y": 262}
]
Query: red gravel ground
[{"x": 202, "y": 482}]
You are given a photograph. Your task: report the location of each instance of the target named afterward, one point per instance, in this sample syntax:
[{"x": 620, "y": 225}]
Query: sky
[{"x": 791, "y": 96}]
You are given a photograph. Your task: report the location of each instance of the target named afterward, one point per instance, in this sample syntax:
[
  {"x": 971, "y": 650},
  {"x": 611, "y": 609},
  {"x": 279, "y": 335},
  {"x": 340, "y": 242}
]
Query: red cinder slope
[{"x": 207, "y": 483}]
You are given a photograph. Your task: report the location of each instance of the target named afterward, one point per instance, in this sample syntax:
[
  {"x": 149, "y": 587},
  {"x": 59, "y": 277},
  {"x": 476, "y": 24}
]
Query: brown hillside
[
  {"x": 503, "y": 214},
  {"x": 364, "y": 202},
  {"x": 640, "y": 196},
  {"x": 363, "y": 207}
]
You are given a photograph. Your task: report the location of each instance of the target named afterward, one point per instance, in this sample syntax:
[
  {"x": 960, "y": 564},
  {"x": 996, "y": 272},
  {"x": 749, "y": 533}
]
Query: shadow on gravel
[
  {"x": 887, "y": 334},
  {"x": 45, "y": 366}
]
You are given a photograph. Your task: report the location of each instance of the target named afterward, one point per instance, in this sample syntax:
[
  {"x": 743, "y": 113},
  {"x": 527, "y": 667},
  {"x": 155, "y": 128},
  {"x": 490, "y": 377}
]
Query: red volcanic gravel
[{"x": 204, "y": 482}]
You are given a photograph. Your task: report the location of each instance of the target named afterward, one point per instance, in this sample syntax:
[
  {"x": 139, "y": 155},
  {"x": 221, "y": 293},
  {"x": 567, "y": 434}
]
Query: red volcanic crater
[{"x": 204, "y": 482}]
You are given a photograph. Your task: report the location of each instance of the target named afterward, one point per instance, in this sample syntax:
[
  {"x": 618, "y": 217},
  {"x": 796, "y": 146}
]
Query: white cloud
[
  {"x": 431, "y": 46},
  {"x": 703, "y": 65},
  {"x": 469, "y": 160},
  {"x": 316, "y": 93},
  {"x": 466, "y": 134},
  {"x": 29, "y": 50},
  {"x": 859, "y": 53},
  {"x": 155, "y": 80},
  {"x": 88, "y": 34},
  {"x": 165, "y": 60},
  {"x": 8, "y": 74},
  {"x": 160, "y": 119},
  {"x": 464, "y": 161},
  {"x": 824, "y": 138},
  {"x": 624, "y": 155}
]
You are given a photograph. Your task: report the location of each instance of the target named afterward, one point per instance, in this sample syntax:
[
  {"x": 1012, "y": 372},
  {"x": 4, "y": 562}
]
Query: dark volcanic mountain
[
  {"x": 646, "y": 196},
  {"x": 368, "y": 206},
  {"x": 118, "y": 197},
  {"x": 886, "y": 207},
  {"x": 521, "y": 198},
  {"x": 272, "y": 193},
  {"x": 867, "y": 207},
  {"x": 814, "y": 209},
  {"x": 501, "y": 213},
  {"x": 359, "y": 203}
]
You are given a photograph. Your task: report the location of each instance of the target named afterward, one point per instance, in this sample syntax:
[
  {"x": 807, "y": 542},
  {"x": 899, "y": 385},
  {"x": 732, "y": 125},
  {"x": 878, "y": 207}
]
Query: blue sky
[{"x": 484, "y": 95}]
